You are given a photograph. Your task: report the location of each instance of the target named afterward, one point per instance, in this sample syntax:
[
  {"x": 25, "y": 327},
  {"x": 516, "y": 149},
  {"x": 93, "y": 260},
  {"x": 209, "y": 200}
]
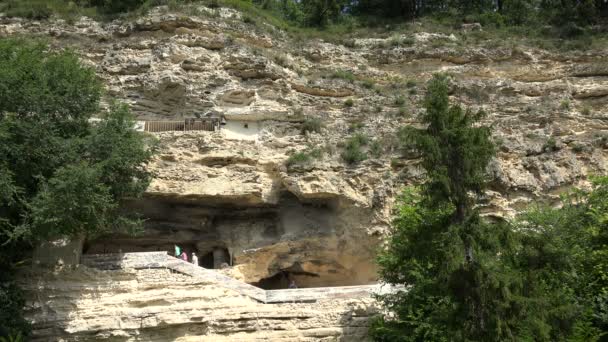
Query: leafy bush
[{"x": 349, "y": 103}]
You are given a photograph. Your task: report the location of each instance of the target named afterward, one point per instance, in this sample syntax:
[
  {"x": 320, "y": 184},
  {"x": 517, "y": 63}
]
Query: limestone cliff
[{"x": 321, "y": 220}]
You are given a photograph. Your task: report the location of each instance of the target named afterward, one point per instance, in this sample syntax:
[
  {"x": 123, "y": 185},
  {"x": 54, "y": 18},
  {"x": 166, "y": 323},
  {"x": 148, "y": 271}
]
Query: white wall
[{"x": 241, "y": 130}]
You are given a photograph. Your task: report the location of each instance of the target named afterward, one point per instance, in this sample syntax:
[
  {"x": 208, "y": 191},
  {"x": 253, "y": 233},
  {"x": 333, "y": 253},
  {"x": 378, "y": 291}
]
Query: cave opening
[
  {"x": 217, "y": 258},
  {"x": 265, "y": 245},
  {"x": 283, "y": 278}
]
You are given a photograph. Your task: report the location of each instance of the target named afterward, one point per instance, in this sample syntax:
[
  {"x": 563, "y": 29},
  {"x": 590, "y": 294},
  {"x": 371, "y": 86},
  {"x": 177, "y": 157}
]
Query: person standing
[
  {"x": 184, "y": 256},
  {"x": 194, "y": 259}
]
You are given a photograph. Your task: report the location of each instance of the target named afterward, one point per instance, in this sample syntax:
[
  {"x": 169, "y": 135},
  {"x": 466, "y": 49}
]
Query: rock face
[
  {"x": 235, "y": 195},
  {"x": 84, "y": 304}
]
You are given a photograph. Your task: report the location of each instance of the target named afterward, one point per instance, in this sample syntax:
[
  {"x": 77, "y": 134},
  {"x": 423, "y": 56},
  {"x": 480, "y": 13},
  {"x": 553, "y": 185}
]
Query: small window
[{"x": 246, "y": 125}]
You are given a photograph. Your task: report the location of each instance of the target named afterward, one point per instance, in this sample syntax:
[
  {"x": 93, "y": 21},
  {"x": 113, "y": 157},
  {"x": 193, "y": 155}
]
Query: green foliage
[
  {"x": 321, "y": 12},
  {"x": 376, "y": 148},
  {"x": 60, "y": 175},
  {"x": 312, "y": 125},
  {"x": 344, "y": 75},
  {"x": 304, "y": 157},
  {"x": 349, "y": 103},
  {"x": 542, "y": 278},
  {"x": 117, "y": 6},
  {"x": 455, "y": 150},
  {"x": 564, "y": 104},
  {"x": 550, "y": 145},
  {"x": 400, "y": 100},
  {"x": 43, "y": 9},
  {"x": 368, "y": 83},
  {"x": 440, "y": 248},
  {"x": 586, "y": 111},
  {"x": 353, "y": 149},
  {"x": 52, "y": 87}
]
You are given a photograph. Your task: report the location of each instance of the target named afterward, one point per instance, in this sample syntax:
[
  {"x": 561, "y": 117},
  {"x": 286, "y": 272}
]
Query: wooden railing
[{"x": 210, "y": 124}]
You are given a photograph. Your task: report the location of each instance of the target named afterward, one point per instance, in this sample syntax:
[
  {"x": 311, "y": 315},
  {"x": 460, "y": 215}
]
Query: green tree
[
  {"x": 449, "y": 259},
  {"x": 321, "y": 12},
  {"x": 562, "y": 262},
  {"x": 542, "y": 278},
  {"x": 60, "y": 174}
]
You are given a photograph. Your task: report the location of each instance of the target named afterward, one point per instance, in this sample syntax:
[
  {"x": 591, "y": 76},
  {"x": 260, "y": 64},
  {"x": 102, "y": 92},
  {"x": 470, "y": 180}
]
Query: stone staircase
[{"x": 145, "y": 260}]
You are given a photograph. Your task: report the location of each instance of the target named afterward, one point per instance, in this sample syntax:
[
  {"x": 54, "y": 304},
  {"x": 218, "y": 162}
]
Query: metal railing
[{"x": 207, "y": 124}]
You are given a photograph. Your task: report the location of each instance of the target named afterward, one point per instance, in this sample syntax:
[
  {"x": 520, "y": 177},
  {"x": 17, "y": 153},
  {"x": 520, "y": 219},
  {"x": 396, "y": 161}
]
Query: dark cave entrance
[
  {"x": 217, "y": 258},
  {"x": 281, "y": 280}
]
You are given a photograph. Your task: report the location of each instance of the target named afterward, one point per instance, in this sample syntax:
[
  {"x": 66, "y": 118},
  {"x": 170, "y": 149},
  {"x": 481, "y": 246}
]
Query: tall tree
[
  {"x": 447, "y": 257},
  {"x": 60, "y": 175}
]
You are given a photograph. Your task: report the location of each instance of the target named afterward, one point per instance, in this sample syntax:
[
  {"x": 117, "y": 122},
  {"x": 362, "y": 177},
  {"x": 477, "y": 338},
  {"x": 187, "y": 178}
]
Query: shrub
[
  {"x": 36, "y": 10},
  {"x": 281, "y": 60},
  {"x": 312, "y": 125},
  {"x": 400, "y": 100},
  {"x": 375, "y": 148},
  {"x": 249, "y": 20},
  {"x": 298, "y": 158},
  {"x": 117, "y": 6},
  {"x": 304, "y": 157},
  {"x": 550, "y": 145},
  {"x": 368, "y": 84},
  {"x": 578, "y": 148},
  {"x": 355, "y": 126},
  {"x": 410, "y": 84},
  {"x": 586, "y": 111},
  {"x": 353, "y": 152},
  {"x": 402, "y": 111},
  {"x": 349, "y": 103},
  {"x": 344, "y": 75},
  {"x": 564, "y": 104}
]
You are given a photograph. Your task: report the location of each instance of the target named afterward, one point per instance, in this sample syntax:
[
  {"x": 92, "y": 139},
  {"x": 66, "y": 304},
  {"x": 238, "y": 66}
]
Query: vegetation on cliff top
[
  {"x": 540, "y": 278},
  {"x": 567, "y": 24},
  {"x": 60, "y": 174}
]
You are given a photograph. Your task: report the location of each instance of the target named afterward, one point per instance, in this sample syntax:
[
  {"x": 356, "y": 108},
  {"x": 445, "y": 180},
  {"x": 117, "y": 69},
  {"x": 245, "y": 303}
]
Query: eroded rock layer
[{"x": 84, "y": 304}]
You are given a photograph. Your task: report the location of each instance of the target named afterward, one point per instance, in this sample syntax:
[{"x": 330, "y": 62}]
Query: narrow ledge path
[{"x": 147, "y": 260}]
